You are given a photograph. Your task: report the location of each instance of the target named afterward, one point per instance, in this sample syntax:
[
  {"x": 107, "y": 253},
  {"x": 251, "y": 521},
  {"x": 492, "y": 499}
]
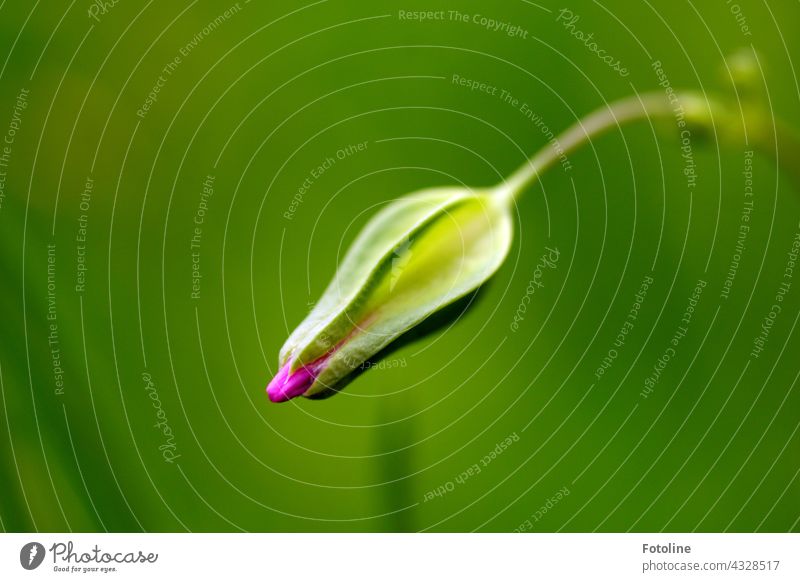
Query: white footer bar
[{"x": 389, "y": 557}]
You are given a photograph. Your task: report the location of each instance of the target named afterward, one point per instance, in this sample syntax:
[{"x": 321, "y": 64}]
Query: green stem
[{"x": 615, "y": 114}]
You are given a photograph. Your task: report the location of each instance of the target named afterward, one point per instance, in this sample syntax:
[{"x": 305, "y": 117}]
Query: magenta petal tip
[{"x": 287, "y": 385}]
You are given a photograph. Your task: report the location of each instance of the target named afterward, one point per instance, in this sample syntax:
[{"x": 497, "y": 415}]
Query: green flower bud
[{"x": 416, "y": 256}]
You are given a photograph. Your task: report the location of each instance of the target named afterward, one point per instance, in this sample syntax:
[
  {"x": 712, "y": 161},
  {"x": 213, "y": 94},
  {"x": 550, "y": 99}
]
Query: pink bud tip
[{"x": 287, "y": 384}]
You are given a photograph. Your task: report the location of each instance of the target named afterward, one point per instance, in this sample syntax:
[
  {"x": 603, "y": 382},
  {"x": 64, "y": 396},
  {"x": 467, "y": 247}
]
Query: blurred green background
[{"x": 264, "y": 94}]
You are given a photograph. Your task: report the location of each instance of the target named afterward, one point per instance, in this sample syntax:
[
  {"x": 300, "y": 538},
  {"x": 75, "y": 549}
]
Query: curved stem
[{"x": 599, "y": 121}]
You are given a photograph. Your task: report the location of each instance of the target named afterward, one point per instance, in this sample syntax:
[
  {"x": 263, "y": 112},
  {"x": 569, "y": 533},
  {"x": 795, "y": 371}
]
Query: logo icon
[{"x": 31, "y": 555}]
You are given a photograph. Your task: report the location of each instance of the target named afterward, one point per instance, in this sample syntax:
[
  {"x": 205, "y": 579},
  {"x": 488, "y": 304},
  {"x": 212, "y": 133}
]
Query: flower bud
[{"x": 416, "y": 256}]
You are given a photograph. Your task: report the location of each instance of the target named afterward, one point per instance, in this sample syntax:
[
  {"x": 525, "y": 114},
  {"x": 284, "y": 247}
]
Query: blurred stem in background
[
  {"x": 395, "y": 443},
  {"x": 743, "y": 119}
]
